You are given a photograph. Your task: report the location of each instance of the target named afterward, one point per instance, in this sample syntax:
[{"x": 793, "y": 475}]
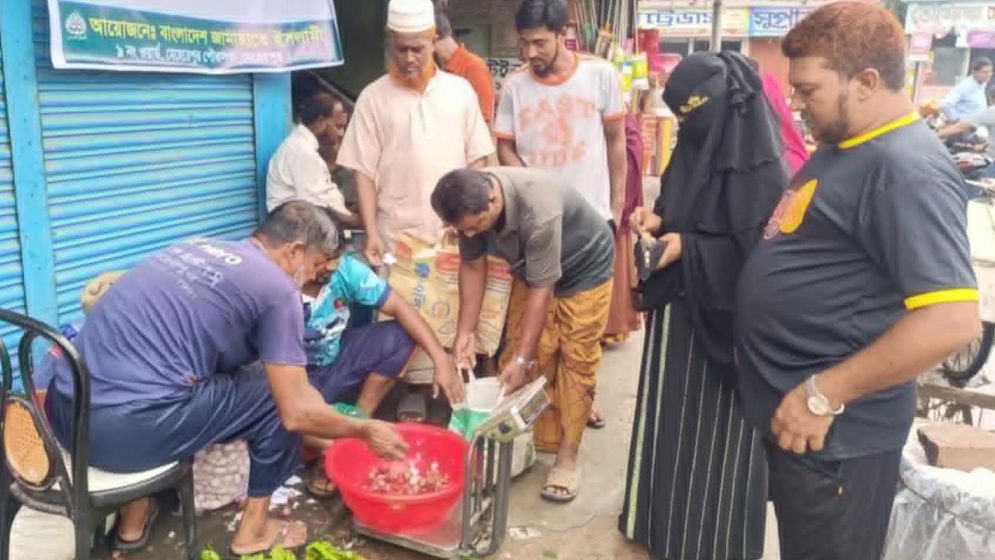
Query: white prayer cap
[{"x": 410, "y": 16}]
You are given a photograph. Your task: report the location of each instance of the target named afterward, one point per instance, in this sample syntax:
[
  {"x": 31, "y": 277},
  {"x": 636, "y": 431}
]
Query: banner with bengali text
[{"x": 194, "y": 36}]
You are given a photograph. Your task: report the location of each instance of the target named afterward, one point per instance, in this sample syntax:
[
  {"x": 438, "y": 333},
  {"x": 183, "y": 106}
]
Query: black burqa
[{"x": 724, "y": 179}]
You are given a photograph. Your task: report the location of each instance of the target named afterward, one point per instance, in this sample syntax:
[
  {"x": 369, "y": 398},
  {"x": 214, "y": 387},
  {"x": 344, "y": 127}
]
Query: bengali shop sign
[
  {"x": 217, "y": 37},
  {"x": 940, "y": 19},
  {"x": 775, "y": 22},
  {"x": 695, "y": 23}
]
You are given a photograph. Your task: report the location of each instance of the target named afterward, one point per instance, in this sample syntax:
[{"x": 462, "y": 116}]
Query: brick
[{"x": 958, "y": 446}]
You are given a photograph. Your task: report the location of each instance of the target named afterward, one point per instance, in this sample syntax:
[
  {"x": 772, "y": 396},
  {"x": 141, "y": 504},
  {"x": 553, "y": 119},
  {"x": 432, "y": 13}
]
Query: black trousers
[{"x": 832, "y": 510}]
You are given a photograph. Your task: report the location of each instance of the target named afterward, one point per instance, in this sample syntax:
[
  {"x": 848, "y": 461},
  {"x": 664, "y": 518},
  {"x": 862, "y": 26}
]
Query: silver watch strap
[{"x": 813, "y": 388}]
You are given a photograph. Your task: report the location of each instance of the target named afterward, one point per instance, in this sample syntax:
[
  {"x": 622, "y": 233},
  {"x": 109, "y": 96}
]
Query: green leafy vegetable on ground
[
  {"x": 209, "y": 554},
  {"x": 324, "y": 550},
  {"x": 318, "y": 550},
  {"x": 278, "y": 553}
]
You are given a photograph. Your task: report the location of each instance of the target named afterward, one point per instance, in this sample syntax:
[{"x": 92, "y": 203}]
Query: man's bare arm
[
  {"x": 508, "y": 154},
  {"x": 301, "y": 407},
  {"x": 367, "y": 191},
  {"x": 917, "y": 342},
  {"x": 955, "y": 129},
  {"x": 617, "y": 166}
]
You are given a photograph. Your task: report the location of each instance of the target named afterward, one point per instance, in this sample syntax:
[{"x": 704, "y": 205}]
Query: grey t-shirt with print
[{"x": 550, "y": 235}]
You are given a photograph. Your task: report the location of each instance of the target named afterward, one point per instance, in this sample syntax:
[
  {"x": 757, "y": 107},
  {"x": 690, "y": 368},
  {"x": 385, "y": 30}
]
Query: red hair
[{"x": 852, "y": 37}]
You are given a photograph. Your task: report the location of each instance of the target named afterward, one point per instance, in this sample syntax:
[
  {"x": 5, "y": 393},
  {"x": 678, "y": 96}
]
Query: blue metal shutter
[
  {"x": 138, "y": 161},
  {"x": 11, "y": 273}
]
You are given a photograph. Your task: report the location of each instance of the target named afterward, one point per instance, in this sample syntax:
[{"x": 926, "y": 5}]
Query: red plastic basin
[{"x": 350, "y": 461}]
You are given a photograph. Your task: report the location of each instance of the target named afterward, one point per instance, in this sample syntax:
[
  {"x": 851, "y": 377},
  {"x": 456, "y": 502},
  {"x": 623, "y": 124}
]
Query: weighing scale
[{"x": 478, "y": 524}]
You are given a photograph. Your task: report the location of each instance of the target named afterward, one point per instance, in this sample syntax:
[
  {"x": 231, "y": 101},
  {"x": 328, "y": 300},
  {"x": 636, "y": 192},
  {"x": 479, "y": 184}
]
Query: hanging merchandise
[
  {"x": 604, "y": 45},
  {"x": 626, "y": 72},
  {"x": 640, "y": 72},
  {"x": 602, "y": 23}
]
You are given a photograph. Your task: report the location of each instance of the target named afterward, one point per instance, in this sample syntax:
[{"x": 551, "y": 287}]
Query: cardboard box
[
  {"x": 427, "y": 277},
  {"x": 956, "y": 446}
]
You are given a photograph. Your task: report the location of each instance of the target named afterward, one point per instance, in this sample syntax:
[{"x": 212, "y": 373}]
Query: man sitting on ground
[
  {"x": 204, "y": 343},
  {"x": 297, "y": 170},
  {"x": 368, "y": 359}
]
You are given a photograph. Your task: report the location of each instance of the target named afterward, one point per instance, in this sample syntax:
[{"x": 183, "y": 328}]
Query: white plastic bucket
[
  {"x": 482, "y": 394},
  {"x": 481, "y": 397}
]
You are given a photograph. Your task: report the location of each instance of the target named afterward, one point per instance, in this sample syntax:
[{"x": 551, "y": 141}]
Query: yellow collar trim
[{"x": 879, "y": 131}]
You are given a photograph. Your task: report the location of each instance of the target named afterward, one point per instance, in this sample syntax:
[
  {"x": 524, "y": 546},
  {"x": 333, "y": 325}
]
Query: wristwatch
[
  {"x": 818, "y": 403},
  {"x": 525, "y": 363}
]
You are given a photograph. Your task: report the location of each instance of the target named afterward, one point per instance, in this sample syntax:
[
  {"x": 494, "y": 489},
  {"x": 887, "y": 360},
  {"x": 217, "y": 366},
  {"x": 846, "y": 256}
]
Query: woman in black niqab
[{"x": 696, "y": 484}]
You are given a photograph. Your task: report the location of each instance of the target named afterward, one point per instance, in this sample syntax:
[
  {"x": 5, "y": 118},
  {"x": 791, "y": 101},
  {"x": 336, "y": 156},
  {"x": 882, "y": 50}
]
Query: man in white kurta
[
  {"x": 409, "y": 128},
  {"x": 297, "y": 171}
]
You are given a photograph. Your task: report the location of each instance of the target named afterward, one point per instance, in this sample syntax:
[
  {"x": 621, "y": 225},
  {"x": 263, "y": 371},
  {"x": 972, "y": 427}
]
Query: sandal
[
  {"x": 596, "y": 421},
  {"x": 143, "y": 540},
  {"x": 561, "y": 479},
  {"x": 281, "y": 539},
  {"x": 318, "y": 483}
]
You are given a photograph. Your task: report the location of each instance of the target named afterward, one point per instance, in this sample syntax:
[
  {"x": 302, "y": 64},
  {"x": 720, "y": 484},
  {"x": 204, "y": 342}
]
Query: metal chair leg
[
  {"x": 6, "y": 518},
  {"x": 185, "y": 491},
  {"x": 83, "y": 537}
]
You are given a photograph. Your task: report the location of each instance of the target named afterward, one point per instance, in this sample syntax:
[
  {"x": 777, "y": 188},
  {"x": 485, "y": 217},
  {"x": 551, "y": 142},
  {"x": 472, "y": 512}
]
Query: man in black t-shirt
[{"x": 863, "y": 280}]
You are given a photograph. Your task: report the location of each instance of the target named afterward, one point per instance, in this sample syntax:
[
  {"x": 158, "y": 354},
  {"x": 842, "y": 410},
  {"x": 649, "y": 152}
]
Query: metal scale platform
[{"x": 478, "y": 524}]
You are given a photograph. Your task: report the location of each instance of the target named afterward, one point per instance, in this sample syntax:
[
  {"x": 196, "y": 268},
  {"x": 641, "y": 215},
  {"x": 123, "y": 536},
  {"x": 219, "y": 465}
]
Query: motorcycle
[
  {"x": 970, "y": 152},
  {"x": 963, "y": 365}
]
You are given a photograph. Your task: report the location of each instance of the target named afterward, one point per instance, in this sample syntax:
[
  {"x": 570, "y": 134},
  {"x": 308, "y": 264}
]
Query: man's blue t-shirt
[
  {"x": 353, "y": 282},
  {"x": 194, "y": 310},
  {"x": 967, "y": 99}
]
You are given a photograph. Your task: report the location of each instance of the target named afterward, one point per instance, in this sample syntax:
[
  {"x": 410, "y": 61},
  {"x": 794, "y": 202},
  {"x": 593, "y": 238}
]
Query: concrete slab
[{"x": 604, "y": 453}]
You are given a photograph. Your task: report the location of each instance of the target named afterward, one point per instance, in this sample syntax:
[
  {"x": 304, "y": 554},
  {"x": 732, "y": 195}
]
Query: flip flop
[
  {"x": 597, "y": 424},
  {"x": 318, "y": 483},
  {"x": 280, "y": 539},
  {"x": 564, "y": 480},
  {"x": 142, "y": 541}
]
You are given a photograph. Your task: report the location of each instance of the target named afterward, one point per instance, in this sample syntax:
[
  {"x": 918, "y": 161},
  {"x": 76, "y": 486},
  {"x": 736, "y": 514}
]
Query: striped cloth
[{"x": 697, "y": 480}]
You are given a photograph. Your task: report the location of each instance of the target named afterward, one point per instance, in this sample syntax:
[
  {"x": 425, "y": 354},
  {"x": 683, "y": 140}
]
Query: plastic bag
[
  {"x": 941, "y": 514},
  {"x": 464, "y": 421},
  {"x": 349, "y": 410},
  {"x": 481, "y": 397}
]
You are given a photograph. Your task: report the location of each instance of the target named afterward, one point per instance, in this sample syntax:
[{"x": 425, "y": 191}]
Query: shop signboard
[
  {"x": 940, "y": 19},
  {"x": 695, "y": 23},
  {"x": 217, "y": 37},
  {"x": 775, "y": 22},
  {"x": 919, "y": 46},
  {"x": 981, "y": 39}
]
